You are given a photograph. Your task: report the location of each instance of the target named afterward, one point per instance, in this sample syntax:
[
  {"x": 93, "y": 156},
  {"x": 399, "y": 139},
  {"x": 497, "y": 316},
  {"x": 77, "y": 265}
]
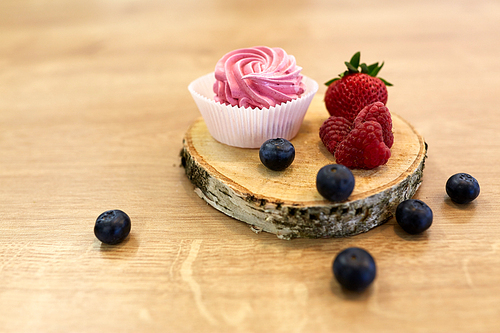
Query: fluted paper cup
[{"x": 247, "y": 127}]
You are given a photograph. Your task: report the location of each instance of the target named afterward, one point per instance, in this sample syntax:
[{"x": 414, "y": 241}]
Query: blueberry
[
  {"x": 112, "y": 227},
  {"x": 414, "y": 216},
  {"x": 277, "y": 154},
  {"x": 354, "y": 268},
  {"x": 462, "y": 188},
  {"x": 335, "y": 182}
]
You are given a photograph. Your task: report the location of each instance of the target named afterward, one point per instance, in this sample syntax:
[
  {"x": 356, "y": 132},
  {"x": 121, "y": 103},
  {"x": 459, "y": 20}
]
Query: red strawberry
[
  {"x": 380, "y": 113},
  {"x": 354, "y": 89},
  {"x": 333, "y": 131},
  {"x": 364, "y": 147}
]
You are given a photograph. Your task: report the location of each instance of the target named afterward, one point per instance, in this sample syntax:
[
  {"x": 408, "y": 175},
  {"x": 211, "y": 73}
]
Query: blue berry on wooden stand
[
  {"x": 462, "y": 188},
  {"x": 112, "y": 227},
  {"x": 335, "y": 182},
  {"x": 354, "y": 268},
  {"x": 414, "y": 216},
  {"x": 277, "y": 154}
]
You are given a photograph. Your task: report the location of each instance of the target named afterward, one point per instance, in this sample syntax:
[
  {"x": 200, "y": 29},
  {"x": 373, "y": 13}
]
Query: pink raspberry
[
  {"x": 364, "y": 144},
  {"x": 333, "y": 131},
  {"x": 364, "y": 147},
  {"x": 380, "y": 113}
]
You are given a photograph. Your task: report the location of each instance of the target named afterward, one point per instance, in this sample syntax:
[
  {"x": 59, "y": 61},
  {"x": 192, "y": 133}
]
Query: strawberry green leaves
[
  {"x": 355, "y": 60},
  {"x": 354, "y": 66}
]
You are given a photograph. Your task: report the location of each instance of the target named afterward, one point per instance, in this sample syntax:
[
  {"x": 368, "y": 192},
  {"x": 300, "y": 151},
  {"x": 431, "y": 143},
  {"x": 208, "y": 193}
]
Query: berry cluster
[
  {"x": 364, "y": 143},
  {"x": 359, "y": 130},
  {"x": 354, "y": 268},
  {"x": 359, "y": 134},
  {"x": 414, "y": 216}
]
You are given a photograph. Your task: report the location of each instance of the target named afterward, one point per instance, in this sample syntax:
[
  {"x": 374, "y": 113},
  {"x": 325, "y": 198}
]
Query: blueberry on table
[
  {"x": 335, "y": 182},
  {"x": 112, "y": 227},
  {"x": 354, "y": 268},
  {"x": 462, "y": 188},
  {"x": 277, "y": 154},
  {"x": 414, "y": 216}
]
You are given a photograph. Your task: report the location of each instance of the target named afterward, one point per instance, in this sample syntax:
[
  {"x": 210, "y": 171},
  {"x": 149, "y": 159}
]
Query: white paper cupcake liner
[{"x": 247, "y": 127}]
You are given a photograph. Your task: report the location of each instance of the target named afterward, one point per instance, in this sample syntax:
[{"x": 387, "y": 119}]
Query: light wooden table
[{"x": 93, "y": 109}]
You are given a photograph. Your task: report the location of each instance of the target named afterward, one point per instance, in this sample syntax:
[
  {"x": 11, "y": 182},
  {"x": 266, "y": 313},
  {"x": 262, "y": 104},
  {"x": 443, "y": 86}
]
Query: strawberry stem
[{"x": 353, "y": 67}]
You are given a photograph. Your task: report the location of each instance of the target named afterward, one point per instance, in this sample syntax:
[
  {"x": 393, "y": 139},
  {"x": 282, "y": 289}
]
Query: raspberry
[
  {"x": 364, "y": 147},
  {"x": 364, "y": 144},
  {"x": 380, "y": 113},
  {"x": 333, "y": 131}
]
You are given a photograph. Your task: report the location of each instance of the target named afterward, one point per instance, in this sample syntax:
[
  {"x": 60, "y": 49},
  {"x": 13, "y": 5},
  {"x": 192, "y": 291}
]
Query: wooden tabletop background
[{"x": 93, "y": 109}]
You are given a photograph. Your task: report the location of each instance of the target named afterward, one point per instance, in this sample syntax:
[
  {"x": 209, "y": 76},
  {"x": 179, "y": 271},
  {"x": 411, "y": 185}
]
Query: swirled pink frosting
[{"x": 257, "y": 77}]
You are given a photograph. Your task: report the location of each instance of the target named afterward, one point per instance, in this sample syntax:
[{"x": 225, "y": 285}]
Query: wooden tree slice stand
[{"x": 286, "y": 203}]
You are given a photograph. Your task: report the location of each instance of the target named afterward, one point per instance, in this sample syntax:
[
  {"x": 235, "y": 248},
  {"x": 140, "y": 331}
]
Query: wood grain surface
[{"x": 93, "y": 109}]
